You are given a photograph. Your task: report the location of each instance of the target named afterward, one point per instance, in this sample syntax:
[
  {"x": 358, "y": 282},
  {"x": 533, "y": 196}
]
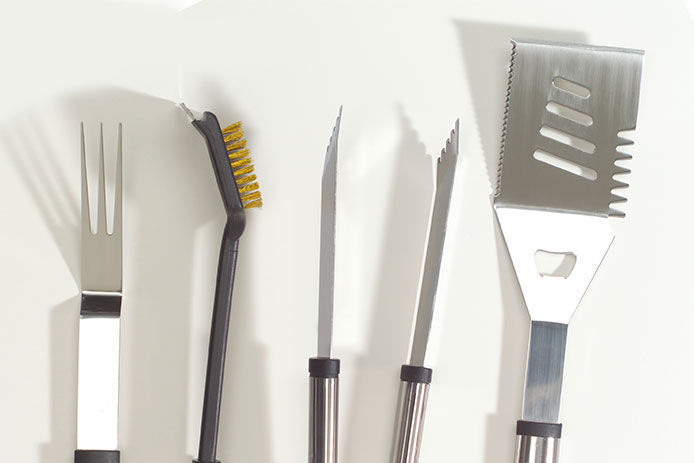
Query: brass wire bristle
[
  {"x": 246, "y": 179},
  {"x": 237, "y": 144},
  {"x": 240, "y": 162},
  {"x": 231, "y": 128},
  {"x": 242, "y": 166},
  {"x": 237, "y": 154}
]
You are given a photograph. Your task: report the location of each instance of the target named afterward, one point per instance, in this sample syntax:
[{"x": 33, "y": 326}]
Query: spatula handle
[
  {"x": 537, "y": 442},
  {"x": 412, "y": 402},
  {"x": 324, "y": 377}
]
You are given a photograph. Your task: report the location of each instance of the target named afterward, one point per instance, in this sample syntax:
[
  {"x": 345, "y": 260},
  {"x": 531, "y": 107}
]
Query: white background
[{"x": 404, "y": 72}]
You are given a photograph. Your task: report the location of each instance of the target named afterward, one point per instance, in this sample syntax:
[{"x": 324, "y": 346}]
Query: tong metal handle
[
  {"x": 537, "y": 442},
  {"x": 323, "y": 412},
  {"x": 412, "y": 402}
]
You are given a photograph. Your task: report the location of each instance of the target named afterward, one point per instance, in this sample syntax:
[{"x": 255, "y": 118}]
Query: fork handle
[
  {"x": 537, "y": 442},
  {"x": 324, "y": 376},
  {"x": 97, "y": 456},
  {"x": 414, "y": 391}
]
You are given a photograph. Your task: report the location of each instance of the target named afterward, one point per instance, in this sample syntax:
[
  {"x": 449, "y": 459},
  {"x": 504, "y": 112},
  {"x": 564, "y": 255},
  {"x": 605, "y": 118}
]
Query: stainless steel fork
[{"x": 99, "y": 325}]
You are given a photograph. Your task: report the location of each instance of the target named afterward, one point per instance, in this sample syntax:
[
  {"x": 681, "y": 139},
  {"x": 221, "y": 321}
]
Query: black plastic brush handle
[
  {"x": 97, "y": 456},
  {"x": 221, "y": 314}
]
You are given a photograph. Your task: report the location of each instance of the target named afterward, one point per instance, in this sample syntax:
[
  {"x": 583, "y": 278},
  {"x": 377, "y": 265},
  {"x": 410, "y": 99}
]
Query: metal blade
[
  {"x": 445, "y": 173},
  {"x": 565, "y": 107},
  {"x": 327, "y": 245}
]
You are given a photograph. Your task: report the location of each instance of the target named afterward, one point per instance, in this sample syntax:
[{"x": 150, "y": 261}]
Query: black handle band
[
  {"x": 323, "y": 367},
  {"x": 534, "y": 428},
  {"x": 100, "y": 305},
  {"x": 415, "y": 374},
  {"x": 97, "y": 456}
]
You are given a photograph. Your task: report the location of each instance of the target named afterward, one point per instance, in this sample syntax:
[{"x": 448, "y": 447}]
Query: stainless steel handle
[
  {"x": 535, "y": 449},
  {"x": 323, "y": 425},
  {"x": 98, "y": 372},
  {"x": 409, "y": 422}
]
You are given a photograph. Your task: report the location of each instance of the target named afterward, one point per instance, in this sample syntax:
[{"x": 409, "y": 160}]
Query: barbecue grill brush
[{"x": 238, "y": 187}]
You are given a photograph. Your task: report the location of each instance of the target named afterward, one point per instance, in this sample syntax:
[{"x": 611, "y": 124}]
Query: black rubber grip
[
  {"x": 534, "y": 428},
  {"x": 97, "y": 456},
  {"x": 413, "y": 374},
  {"x": 323, "y": 367},
  {"x": 200, "y": 461},
  {"x": 100, "y": 305}
]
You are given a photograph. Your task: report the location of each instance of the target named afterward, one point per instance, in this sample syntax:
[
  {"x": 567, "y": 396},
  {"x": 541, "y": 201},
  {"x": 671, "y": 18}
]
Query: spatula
[{"x": 566, "y": 107}]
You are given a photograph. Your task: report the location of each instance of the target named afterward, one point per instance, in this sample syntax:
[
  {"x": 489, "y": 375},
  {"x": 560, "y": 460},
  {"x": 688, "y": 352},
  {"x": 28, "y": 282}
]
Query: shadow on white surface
[
  {"x": 37, "y": 163},
  {"x": 373, "y": 401},
  {"x": 63, "y": 358},
  {"x": 487, "y": 71}
]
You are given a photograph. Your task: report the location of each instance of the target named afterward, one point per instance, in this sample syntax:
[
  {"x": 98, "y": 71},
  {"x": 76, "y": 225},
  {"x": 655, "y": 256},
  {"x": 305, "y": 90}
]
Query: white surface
[
  {"x": 97, "y": 383},
  {"x": 404, "y": 72}
]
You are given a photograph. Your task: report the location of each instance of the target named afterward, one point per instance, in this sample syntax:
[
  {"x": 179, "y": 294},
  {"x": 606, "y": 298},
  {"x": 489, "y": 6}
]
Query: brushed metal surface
[
  {"x": 543, "y": 377},
  {"x": 323, "y": 415},
  {"x": 409, "y": 424},
  {"x": 326, "y": 287},
  {"x": 613, "y": 77},
  {"x": 445, "y": 174},
  {"x": 533, "y": 449},
  {"x": 102, "y": 252}
]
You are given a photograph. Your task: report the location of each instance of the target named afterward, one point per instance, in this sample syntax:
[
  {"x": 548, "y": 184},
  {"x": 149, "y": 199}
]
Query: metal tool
[
  {"x": 99, "y": 325},
  {"x": 415, "y": 377},
  {"x": 323, "y": 369},
  {"x": 239, "y": 190},
  {"x": 566, "y": 106}
]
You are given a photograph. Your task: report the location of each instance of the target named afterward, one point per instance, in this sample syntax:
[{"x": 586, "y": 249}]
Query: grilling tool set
[{"x": 567, "y": 107}]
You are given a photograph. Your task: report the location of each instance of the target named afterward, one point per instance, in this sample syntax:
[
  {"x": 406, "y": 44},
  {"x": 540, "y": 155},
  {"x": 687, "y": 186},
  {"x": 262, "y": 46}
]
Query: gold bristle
[
  {"x": 244, "y": 170},
  {"x": 251, "y": 196},
  {"x": 234, "y": 136},
  {"x": 240, "y": 163},
  {"x": 257, "y": 203},
  {"x": 238, "y": 154},
  {"x": 237, "y": 145},
  {"x": 232, "y": 127},
  {"x": 246, "y": 179},
  {"x": 242, "y": 166},
  {"x": 247, "y": 188}
]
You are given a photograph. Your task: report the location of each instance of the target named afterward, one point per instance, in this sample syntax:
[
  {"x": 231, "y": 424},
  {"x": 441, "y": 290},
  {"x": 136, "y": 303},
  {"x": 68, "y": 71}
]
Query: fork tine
[
  {"x": 118, "y": 203},
  {"x": 86, "y": 221},
  {"x": 101, "y": 211}
]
